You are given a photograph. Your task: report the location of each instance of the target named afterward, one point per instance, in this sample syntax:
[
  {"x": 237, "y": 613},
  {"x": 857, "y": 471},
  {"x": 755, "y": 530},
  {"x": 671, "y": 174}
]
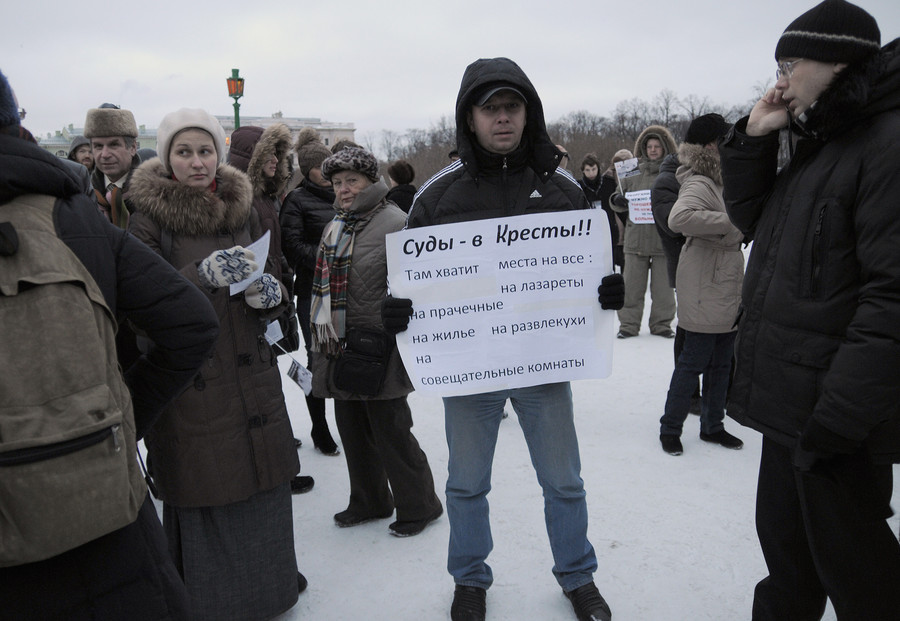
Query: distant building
[
  {"x": 58, "y": 144},
  {"x": 330, "y": 132}
]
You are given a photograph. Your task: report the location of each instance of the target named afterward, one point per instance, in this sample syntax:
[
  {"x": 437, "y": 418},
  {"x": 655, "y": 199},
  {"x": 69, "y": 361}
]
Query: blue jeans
[
  {"x": 709, "y": 355},
  {"x": 546, "y": 417}
]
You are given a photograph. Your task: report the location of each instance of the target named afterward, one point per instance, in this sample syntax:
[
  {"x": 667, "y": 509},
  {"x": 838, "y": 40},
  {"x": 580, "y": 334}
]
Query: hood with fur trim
[
  {"x": 185, "y": 210},
  {"x": 274, "y": 140},
  {"x": 701, "y": 161},
  {"x": 538, "y": 151},
  {"x": 660, "y": 133}
]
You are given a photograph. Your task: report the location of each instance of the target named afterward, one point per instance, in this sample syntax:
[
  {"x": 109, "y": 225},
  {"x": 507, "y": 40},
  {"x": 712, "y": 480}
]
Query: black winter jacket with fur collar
[{"x": 819, "y": 335}]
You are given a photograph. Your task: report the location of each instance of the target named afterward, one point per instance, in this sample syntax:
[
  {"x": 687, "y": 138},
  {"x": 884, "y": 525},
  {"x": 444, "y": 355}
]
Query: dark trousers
[
  {"x": 678, "y": 346},
  {"x": 823, "y": 534},
  {"x": 315, "y": 405},
  {"x": 709, "y": 355},
  {"x": 380, "y": 450}
]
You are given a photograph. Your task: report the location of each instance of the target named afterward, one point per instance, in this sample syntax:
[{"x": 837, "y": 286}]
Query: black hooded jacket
[
  {"x": 128, "y": 569},
  {"x": 663, "y": 195},
  {"x": 482, "y": 185},
  {"x": 819, "y": 335}
]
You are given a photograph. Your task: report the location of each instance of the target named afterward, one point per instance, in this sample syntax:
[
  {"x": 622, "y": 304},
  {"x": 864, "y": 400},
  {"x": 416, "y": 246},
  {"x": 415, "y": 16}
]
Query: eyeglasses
[{"x": 786, "y": 68}]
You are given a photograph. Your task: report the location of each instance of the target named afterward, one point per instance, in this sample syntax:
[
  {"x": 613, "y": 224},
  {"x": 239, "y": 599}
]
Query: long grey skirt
[{"x": 237, "y": 561}]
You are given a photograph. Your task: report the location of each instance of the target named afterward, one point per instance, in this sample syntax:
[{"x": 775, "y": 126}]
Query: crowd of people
[{"x": 200, "y": 246}]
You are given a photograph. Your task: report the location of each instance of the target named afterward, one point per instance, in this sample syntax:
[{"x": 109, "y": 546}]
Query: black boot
[
  {"x": 468, "y": 604},
  {"x": 321, "y": 435},
  {"x": 589, "y": 605}
]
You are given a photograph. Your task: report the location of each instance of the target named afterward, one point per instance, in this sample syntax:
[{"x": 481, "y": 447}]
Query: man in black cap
[
  {"x": 818, "y": 355},
  {"x": 508, "y": 166}
]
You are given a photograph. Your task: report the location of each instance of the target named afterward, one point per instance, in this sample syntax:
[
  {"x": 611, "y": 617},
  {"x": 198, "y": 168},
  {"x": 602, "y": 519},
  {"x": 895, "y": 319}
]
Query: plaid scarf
[{"x": 328, "y": 310}]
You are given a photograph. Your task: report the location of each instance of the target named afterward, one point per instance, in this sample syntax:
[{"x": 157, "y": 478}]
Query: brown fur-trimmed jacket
[{"x": 227, "y": 437}]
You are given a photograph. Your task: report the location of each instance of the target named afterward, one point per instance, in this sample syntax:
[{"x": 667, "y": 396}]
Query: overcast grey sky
[{"x": 391, "y": 65}]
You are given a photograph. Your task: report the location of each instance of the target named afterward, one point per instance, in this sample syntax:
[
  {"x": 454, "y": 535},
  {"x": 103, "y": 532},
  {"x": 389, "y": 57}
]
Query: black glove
[
  {"x": 619, "y": 200},
  {"x": 818, "y": 443},
  {"x": 395, "y": 314},
  {"x": 611, "y": 292}
]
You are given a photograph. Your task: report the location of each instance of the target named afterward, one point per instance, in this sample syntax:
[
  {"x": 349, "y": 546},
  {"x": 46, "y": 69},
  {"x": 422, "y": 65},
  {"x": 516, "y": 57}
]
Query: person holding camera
[{"x": 356, "y": 363}]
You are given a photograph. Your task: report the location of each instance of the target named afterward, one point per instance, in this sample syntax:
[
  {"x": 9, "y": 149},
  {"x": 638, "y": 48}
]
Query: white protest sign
[
  {"x": 627, "y": 168},
  {"x": 639, "y": 209},
  {"x": 505, "y": 302},
  {"x": 260, "y": 249}
]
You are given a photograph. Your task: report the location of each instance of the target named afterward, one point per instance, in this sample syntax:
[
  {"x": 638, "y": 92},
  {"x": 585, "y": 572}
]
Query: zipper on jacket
[
  {"x": 40, "y": 453},
  {"x": 817, "y": 240}
]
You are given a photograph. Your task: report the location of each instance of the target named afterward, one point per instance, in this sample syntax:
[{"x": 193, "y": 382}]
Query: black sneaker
[
  {"x": 347, "y": 518},
  {"x": 722, "y": 438},
  {"x": 671, "y": 444},
  {"x": 298, "y": 443},
  {"x": 589, "y": 605},
  {"x": 625, "y": 335},
  {"x": 301, "y": 485},
  {"x": 301, "y": 582},
  {"x": 414, "y": 527},
  {"x": 468, "y": 604},
  {"x": 666, "y": 334}
]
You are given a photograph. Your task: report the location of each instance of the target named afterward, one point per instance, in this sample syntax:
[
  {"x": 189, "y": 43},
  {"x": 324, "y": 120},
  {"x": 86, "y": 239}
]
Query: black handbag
[{"x": 362, "y": 365}]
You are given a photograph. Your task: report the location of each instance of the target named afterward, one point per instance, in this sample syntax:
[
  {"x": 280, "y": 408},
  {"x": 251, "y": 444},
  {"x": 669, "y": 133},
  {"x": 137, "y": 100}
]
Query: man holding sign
[
  {"x": 643, "y": 247},
  {"x": 508, "y": 166}
]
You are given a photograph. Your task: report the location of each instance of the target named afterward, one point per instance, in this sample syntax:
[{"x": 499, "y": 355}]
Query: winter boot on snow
[
  {"x": 589, "y": 605},
  {"x": 468, "y": 604}
]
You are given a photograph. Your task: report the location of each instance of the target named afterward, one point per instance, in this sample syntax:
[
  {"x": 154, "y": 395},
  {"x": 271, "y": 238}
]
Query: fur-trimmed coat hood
[
  {"x": 189, "y": 211},
  {"x": 654, "y": 131},
  {"x": 275, "y": 140},
  {"x": 699, "y": 160}
]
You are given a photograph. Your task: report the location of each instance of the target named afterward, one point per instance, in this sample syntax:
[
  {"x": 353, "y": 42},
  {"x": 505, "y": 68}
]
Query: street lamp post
[{"x": 236, "y": 91}]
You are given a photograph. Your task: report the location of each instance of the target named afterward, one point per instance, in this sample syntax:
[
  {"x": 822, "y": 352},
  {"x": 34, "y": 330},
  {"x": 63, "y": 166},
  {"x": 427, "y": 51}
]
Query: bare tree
[{"x": 664, "y": 106}]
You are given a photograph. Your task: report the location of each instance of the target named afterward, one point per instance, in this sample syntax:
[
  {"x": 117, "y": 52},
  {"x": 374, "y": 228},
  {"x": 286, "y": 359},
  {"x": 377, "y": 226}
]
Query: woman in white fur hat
[{"x": 222, "y": 454}]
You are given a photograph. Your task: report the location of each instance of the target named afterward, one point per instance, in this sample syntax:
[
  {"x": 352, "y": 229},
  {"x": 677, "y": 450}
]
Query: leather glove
[
  {"x": 263, "y": 293},
  {"x": 226, "y": 267},
  {"x": 818, "y": 443},
  {"x": 395, "y": 314},
  {"x": 611, "y": 292},
  {"x": 619, "y": 200}
]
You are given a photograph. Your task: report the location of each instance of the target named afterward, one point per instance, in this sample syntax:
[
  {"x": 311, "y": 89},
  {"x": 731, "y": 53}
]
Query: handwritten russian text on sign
[
  {"x": 504, "y": 303},
  {"x": 639, "y": 209}
]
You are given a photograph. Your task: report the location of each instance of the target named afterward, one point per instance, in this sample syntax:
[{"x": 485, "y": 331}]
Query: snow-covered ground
[{"x": 674, "y": 536}]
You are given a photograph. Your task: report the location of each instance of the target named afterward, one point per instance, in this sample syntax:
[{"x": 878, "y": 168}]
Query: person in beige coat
[
  {"x": 643, "y": 248},
  {"x": 708, "y": 282}
]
